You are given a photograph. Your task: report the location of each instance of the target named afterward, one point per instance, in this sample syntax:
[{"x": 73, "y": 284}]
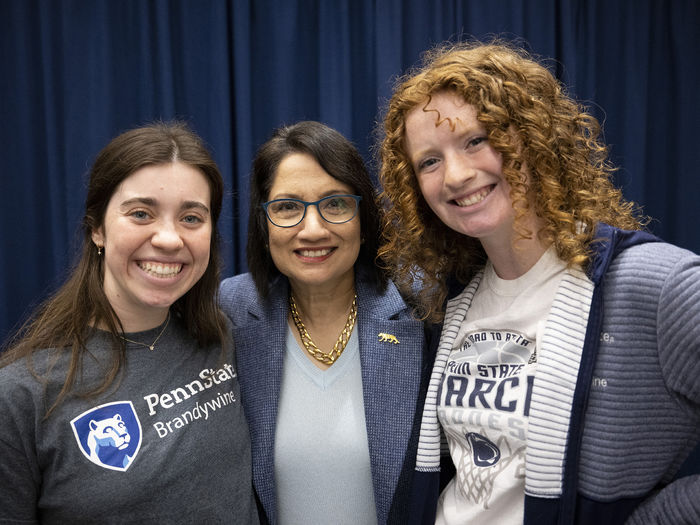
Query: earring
[{"x": 99, "y": 250}]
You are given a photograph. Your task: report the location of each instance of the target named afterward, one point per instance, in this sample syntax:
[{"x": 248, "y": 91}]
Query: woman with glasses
[{"x": 332, "y": 365}]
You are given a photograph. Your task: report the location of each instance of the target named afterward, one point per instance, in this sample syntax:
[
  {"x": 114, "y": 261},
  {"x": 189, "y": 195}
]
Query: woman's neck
[
  {"x": 513, "y": 258},
  {"x": 141, "y": 322},
  {"x": 318, "y": 305}
]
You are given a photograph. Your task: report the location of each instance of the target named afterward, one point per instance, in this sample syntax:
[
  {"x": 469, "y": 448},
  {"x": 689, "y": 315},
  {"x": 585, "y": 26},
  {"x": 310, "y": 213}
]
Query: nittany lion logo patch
[
  {"x": 484, "y": 451},
  {"x": 109, "y": 435}
]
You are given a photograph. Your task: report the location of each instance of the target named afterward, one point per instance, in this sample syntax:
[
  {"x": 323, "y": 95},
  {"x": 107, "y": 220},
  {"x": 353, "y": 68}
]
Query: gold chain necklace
[
  {"x": 330, "y": 357},
  {"x": 153, "y": 344}
]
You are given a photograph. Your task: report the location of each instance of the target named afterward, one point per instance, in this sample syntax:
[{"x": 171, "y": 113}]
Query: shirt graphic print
[{"x": 484, "y": 404}]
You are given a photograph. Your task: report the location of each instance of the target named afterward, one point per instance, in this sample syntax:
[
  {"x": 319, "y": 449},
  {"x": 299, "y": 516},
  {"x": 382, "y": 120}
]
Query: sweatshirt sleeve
[
  {"x": 20, "y": 476},
  {"x": 679, "y": 331},
  {"x": 675, "y": 504},
  {"x": 679, "y": 356}
]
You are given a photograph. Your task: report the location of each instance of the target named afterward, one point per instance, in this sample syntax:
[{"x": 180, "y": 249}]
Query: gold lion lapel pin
[{"x": 387, "y": 338}]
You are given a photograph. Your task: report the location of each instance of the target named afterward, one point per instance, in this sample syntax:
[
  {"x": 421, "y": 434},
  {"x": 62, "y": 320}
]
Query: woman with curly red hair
[{"x": 564, "y": 380}]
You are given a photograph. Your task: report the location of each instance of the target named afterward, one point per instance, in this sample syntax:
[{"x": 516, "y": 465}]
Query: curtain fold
[{"x": 77, "y": 72}]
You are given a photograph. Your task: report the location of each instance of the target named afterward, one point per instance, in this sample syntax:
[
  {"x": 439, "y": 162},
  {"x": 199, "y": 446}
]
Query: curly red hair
[{"x": 557, "y": 139}]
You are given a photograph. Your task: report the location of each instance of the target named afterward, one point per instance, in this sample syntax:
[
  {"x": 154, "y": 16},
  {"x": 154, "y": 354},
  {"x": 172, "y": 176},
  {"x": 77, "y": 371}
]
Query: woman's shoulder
[
  {"x": 239, "y": 298},
  {"x": 30, "y": 374},
  {"x": 241, "y": 284},
  {"x": 236, "y": 292},
  {"x": 13, "y": 373},
  {"x": 22, "y": 401},
  {"x": 385, "y": 303},
  {"x": 665, "y": 277},
  {"x": 659, "y": 259}
]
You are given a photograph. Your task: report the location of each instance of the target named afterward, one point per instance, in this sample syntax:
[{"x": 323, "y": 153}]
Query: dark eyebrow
[
  {"x": 146, "y": 201},
  {"x": 322, "y": 195},
  {"x": 188, "y": 205},
  {"x": 149, "y": 201}
]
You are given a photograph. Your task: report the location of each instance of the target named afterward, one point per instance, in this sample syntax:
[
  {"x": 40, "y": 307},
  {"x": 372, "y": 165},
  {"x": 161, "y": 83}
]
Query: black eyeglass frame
[{"x": 356, "y": 198}]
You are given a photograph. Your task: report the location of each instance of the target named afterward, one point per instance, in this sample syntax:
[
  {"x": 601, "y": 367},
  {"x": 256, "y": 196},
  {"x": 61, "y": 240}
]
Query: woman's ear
[{"x": 98, "y": 237}]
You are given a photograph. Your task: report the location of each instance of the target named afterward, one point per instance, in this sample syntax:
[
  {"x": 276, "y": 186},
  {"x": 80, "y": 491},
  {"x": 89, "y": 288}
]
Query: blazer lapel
[
  {"x": 391, "y": 353},
  {"x": 260, "y": 358}
]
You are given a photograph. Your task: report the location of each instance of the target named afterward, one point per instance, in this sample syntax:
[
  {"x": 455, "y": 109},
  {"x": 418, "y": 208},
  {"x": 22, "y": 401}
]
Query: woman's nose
[
  {"x": 457, "y": 171},
  {"x": 167, "y": 237},
  {"x": 313, "y": 224}
]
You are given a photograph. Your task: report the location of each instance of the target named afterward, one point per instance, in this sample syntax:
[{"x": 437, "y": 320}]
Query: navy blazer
[{"x": 394, "y": 382}]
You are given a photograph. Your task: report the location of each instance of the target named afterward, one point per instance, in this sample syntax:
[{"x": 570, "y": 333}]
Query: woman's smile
[
  {"x": 474, "y": 198},
  {"x": 314, "y": 253},
  {"x": 160, "y": 270}
]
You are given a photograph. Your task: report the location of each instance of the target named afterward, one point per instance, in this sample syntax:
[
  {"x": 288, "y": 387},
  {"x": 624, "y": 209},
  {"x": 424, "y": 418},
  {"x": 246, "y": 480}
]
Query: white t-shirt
[{"x": 485, "y": 394}]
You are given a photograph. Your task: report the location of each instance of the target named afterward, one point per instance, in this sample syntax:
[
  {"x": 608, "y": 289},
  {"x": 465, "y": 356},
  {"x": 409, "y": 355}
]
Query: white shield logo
[{"x": 109, "y": 435}]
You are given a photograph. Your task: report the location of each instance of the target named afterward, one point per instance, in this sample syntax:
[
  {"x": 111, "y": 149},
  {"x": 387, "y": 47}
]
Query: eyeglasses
[{"x": 335, "y": 209}]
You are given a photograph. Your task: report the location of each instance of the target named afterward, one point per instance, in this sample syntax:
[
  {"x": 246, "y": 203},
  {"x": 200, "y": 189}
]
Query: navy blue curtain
[{"x": 74, "y": 73}]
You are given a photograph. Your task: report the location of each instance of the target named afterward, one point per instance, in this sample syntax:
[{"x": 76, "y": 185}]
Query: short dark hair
[{"x": 341, "y": 160}]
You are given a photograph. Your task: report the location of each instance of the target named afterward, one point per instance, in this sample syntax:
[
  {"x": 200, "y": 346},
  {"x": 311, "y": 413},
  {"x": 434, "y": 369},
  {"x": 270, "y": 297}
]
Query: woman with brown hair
[
  {"x": 565, "y": 377},
  {"x": 119, "y": 399}
]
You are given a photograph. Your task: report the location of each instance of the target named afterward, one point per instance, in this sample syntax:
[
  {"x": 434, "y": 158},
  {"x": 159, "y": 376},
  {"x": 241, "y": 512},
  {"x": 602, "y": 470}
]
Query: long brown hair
[
  {"x": 64, "y": 321},
  {"x": 556, "y": 138}
]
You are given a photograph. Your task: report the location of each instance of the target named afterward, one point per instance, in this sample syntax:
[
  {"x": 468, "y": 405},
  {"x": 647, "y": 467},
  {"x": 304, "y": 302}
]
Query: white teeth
[
  {"x": 474, "y": 197},
  {"x": 160, "y": 269},
  {"x": 314, "y": 253}
]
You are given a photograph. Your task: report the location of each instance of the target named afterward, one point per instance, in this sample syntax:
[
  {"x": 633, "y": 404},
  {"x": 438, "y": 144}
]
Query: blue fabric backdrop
[
  {"x": 74, "y": 73},
  {"x": 77, "y": 72}
]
